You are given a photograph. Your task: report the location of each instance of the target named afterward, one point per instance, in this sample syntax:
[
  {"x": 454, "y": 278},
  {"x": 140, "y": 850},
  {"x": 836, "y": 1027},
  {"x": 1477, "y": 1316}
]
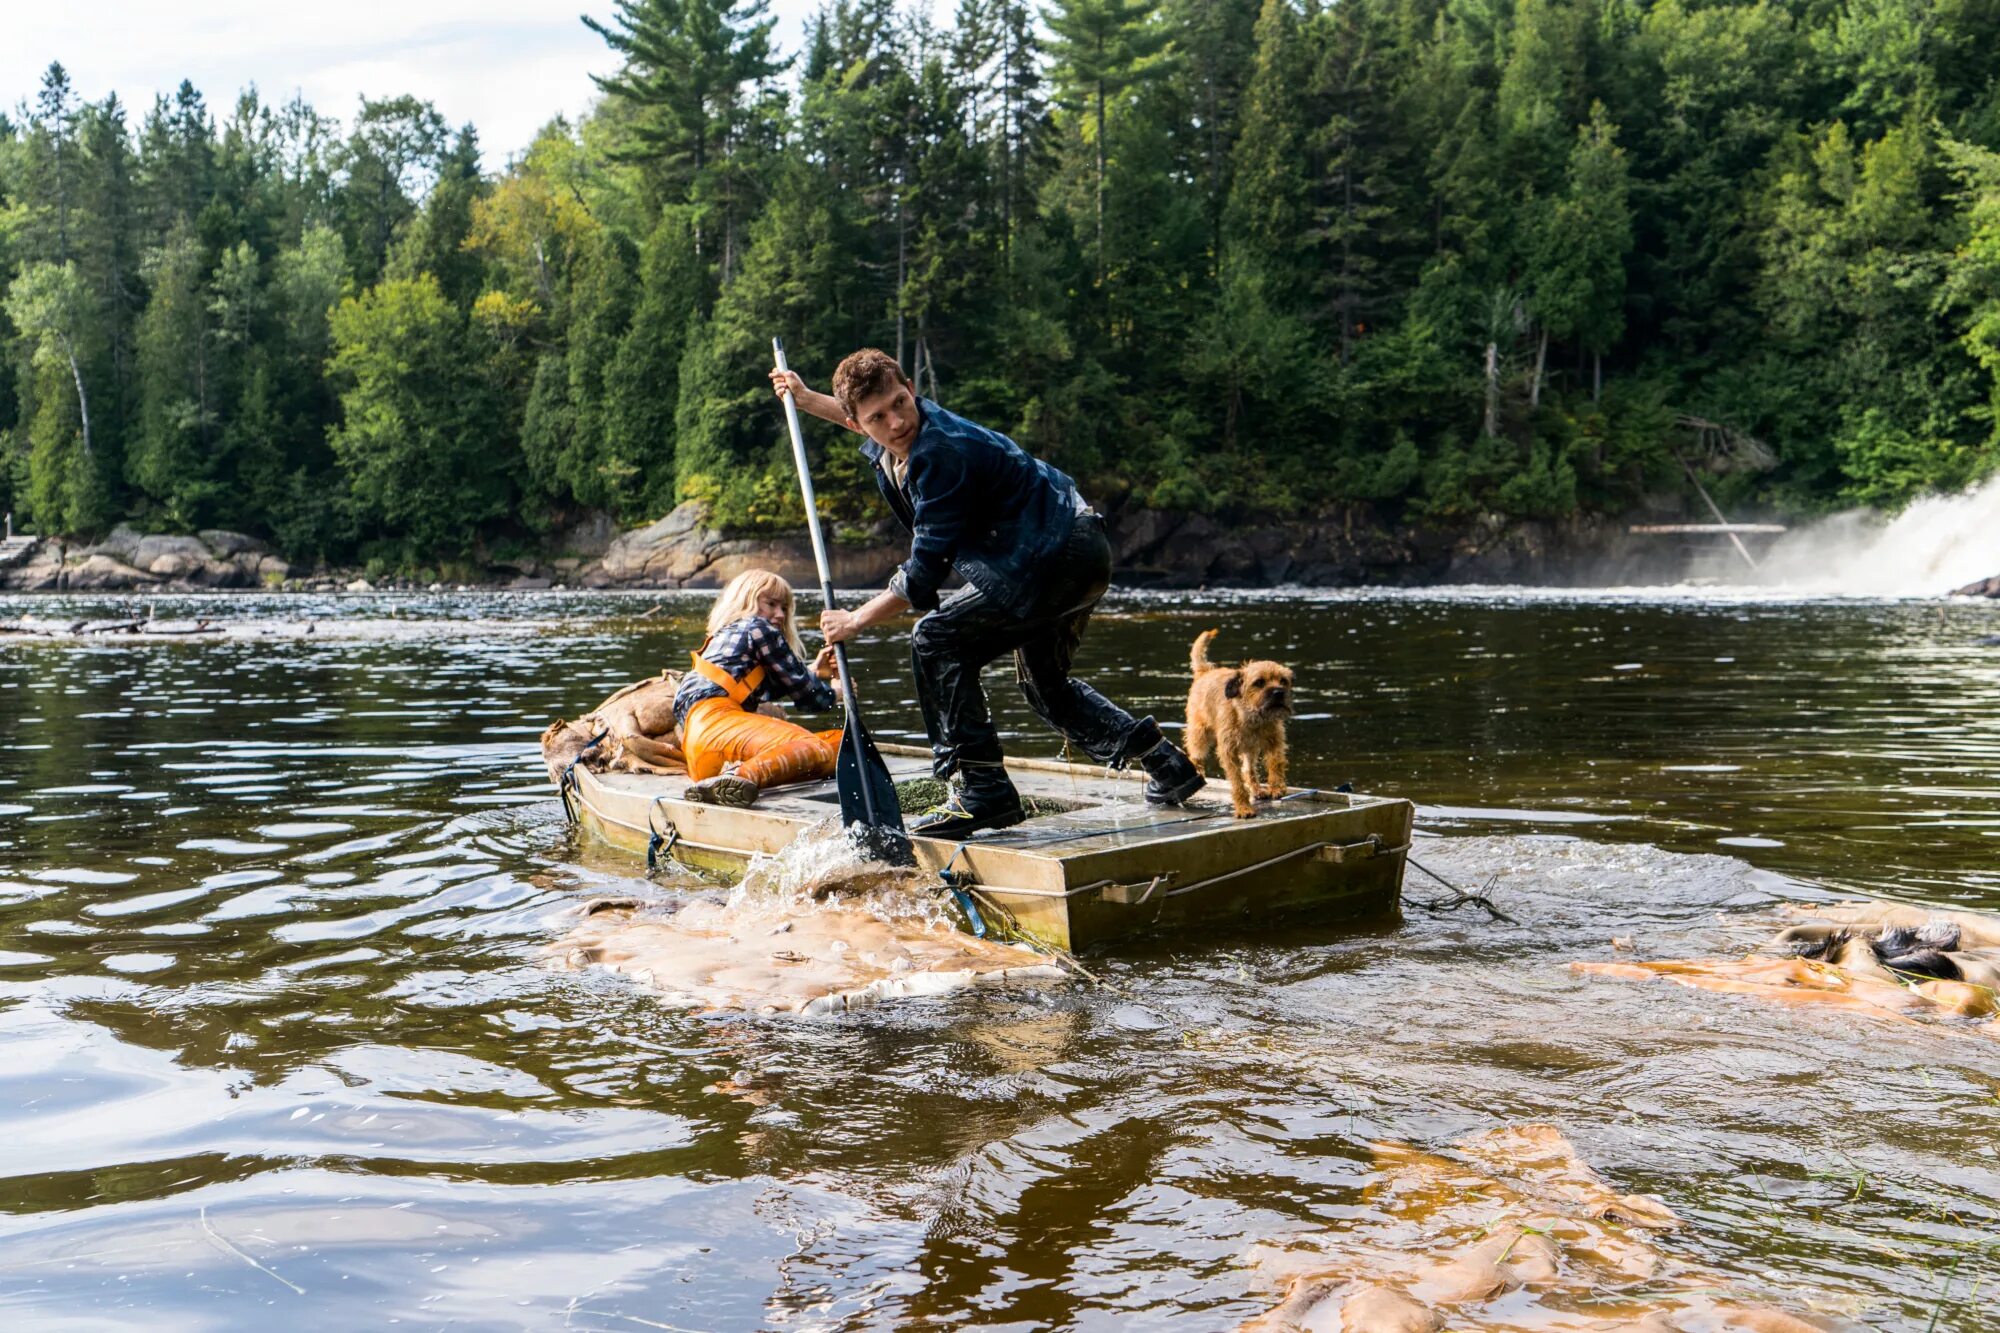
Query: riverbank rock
[
  {"x": 1161, "y": 548},
  {"x": 1983, "y": 588},
  {"x": 33, "y": 564},
  {"x": 683, "y": 551},
  {"x": 127, "y": 559},
  {"x": 1152, "y": 548},
  {"x": 98, "y": 572}
]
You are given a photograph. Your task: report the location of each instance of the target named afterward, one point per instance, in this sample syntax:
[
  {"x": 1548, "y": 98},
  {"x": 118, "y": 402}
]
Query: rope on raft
[
  {"x": 566, "y": 784},
  {"x": 659, "y": 844},
  {"x": 1464, "y": 897}
]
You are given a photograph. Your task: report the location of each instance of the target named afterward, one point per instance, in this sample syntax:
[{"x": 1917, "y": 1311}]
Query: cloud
[{"x": 507, "y": 66}]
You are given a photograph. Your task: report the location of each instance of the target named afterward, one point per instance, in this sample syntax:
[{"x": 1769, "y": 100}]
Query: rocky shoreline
[{"x": 1153, "y": 548}]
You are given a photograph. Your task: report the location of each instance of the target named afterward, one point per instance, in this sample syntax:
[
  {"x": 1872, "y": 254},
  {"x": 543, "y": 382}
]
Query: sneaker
[
  {"x": 1172, "y": 776},
  {"x": 956, "y": 819},
  {"x": 726, "y": 790}
]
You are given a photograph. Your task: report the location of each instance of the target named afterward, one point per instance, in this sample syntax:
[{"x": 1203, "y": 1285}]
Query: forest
[{"x": 1440, "y": 258}]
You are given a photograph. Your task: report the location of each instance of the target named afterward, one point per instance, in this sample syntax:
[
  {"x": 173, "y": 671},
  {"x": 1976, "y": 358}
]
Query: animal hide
[{"x": 636, "y": 727}]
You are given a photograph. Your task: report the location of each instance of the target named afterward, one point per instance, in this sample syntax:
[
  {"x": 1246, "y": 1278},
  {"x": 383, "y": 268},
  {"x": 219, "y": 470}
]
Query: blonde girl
[{"x": 752, "y": 656}]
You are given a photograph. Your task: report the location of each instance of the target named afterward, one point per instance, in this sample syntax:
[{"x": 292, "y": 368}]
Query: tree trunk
[
  {"x": 1541, "y": 360},
  {"x": 700, "y": 160},
  {"x": 1100, "y": 180},
  {"x": 82, "y": 398},
  {"x": 1346, "y": 266},
  {"x": 1492, "y": 425},
  {"x": 1007, "y": 163},
  {"x": 902, "y": 270},
  {"x": 1596, "y": 376}
]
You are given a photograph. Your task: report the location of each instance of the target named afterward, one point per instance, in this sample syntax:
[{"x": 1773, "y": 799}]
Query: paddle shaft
[{"x": 825, "y": 571}]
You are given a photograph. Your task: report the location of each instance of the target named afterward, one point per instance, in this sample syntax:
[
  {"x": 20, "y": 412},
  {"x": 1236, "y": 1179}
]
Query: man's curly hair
[{"x": 863, "y": 374}]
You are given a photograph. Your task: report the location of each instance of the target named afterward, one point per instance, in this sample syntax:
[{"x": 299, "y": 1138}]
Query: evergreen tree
[
  {"x": 642, "y": 384},
  {"x": 169, "y": 463},
  {"x": 1578, "y": 252},
  {"x": 1103, "y": 48},
  {"x": 690, "y": 66},
  {"x": 395, "y": 151}
]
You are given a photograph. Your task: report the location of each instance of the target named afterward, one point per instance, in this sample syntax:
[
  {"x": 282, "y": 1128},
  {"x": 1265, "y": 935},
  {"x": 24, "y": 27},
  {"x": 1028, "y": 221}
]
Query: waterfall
[{"x": 1937, "y": 544}]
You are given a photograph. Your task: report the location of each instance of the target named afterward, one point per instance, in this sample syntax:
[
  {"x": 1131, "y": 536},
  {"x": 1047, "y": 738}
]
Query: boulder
[
  {"x": 182, "y": 552},
  {"x": 37, "y": 569},
  {"x": 588, "y": 537},
  {"x": 663, "y": 553},
  {"x": 216, "y": 559},
  {"x": 683, "y": 551},
  {"x": 121, "y": 544},
  {"x": 224, "y": 544},
  {"x": 103, "y": 573},
  {"x": 177, "y": 565}
]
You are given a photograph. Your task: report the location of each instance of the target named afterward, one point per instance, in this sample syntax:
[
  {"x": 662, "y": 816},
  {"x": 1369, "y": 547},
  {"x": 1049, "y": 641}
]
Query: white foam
[{"x": 1939, "y": 543}]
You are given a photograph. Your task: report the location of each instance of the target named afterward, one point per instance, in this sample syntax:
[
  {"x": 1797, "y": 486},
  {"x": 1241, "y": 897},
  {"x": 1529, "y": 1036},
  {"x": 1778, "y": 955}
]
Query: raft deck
[{"x": 1106, "y": 866}]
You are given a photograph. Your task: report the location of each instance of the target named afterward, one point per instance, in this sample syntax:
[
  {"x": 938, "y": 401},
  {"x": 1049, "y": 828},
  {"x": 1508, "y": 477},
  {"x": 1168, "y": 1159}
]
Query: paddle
[{"x": 868, "y": 804}]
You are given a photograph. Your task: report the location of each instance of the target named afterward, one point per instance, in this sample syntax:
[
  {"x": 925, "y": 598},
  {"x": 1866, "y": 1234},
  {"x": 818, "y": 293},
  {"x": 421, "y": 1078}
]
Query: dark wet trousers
[{"x": 969, "y": 630}]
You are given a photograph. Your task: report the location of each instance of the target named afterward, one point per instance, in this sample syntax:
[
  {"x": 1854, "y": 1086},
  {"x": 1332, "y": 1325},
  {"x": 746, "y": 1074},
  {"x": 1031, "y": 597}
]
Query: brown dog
[{"x": 1240, "y": 713}]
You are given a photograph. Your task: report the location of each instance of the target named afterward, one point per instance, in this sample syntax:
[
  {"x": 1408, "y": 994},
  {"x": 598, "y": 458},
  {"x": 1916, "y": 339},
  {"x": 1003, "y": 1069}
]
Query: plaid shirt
[{"x": 752, "y": 642}]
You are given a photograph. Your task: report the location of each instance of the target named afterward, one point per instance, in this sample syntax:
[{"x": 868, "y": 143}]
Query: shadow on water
[{"x": 276, "y": 1034}]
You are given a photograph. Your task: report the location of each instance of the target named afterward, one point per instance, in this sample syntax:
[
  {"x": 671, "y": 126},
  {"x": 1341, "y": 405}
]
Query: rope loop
[
  {"x": 566, "y": 782},
  {"x": 659, "y": 843}
]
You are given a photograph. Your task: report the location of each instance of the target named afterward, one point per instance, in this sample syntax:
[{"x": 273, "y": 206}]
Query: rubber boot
[
  {"x": 984, "y": 799},
  {"x": 1171, "y": 776}
]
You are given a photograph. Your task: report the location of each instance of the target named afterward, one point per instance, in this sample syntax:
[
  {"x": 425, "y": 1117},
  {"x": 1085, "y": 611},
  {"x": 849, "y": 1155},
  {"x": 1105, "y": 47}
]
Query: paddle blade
[{"x": 863, "y": 782}]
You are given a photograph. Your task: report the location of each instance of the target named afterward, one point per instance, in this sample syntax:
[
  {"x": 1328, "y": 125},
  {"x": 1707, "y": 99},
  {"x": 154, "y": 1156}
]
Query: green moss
[{"x": 917, "y": 796}]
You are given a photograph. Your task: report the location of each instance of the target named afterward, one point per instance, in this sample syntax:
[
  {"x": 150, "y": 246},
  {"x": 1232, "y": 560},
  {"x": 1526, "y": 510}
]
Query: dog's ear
[{"x": 1233, "y": 687}]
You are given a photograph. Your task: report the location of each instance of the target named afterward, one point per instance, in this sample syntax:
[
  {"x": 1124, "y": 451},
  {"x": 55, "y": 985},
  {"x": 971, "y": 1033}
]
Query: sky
[{"x": 507, "y": 66}]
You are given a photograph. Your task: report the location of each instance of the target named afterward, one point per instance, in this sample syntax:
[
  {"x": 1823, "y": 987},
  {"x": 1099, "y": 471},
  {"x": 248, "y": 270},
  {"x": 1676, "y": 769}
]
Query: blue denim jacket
[{"x": 976, "y": 503}]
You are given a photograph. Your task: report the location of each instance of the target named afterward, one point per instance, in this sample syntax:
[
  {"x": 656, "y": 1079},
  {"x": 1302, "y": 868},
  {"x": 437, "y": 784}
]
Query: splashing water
[
  {"x": 1938, "y": 544},
  {"x": 823, "y": 864}
]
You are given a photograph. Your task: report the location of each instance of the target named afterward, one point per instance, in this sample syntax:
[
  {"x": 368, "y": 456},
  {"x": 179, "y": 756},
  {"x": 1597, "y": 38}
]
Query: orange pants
[{"x": 767, "y": 750}]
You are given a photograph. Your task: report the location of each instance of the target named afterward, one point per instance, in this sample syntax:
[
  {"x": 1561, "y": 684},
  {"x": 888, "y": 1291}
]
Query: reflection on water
[{"x": 276, "y": 1034}]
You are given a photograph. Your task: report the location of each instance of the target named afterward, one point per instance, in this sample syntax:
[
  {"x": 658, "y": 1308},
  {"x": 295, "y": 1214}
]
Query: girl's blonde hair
[{"x": 739, "y": 599}]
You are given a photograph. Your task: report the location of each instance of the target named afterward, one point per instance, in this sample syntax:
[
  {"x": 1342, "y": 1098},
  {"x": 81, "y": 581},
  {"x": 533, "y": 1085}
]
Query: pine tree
[
  {"x": 1577, "y": 256},
  {"x": 168, "y": 463},
  {"x": 688, "y": 67},
  {"x": 1103, "y": 48},
  {"x": 1265, "y": 221},
  {"x": 642, "y": 384},
  {"x": 55, "y": 107},
  {"x": 393, "y": 154}
]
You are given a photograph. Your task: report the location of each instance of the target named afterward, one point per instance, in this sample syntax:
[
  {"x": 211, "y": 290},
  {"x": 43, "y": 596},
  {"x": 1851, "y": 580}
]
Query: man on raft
[{"x": 1035, "y": 561}]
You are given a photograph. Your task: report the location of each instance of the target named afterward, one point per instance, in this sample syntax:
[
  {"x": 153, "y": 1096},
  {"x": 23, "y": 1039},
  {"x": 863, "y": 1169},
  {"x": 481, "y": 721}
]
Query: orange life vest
[{"x": 737, "y": 690}]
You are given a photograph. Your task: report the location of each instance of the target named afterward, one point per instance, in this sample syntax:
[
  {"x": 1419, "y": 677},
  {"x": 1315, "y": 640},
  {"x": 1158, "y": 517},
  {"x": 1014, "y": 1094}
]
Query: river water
[{"x": 278, "y": 1040}]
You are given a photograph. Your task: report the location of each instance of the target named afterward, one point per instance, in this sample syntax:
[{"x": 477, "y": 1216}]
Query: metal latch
[
  {"x": 1132, "y": 895},
  {"x": 1341, "y": 853}
]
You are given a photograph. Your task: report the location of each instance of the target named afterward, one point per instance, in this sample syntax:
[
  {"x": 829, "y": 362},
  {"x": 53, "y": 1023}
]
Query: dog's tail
[{"x": 1198, "y": 659}]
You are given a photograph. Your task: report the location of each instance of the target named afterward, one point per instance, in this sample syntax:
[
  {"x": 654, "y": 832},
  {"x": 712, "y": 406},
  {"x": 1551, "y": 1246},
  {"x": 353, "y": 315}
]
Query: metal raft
[{"x": 1106, "y": 866}]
